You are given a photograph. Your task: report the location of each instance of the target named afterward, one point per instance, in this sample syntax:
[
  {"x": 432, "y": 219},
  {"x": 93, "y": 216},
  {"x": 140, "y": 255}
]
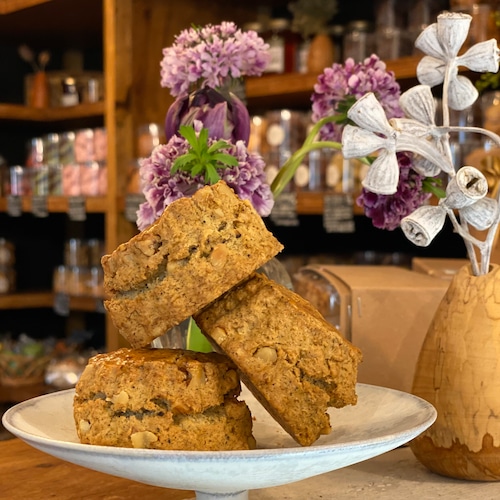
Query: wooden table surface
[{"x": 29, "y": 474}]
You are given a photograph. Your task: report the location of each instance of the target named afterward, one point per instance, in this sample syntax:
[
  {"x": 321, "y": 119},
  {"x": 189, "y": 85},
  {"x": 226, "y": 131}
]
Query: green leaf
[
  {"x": 202, "y": 159},
  {"x": 211, "y": 175},
  {"x": 189, "y": 134},
  {"x": 227, "y": 159},
  {"x": 220, "y": 144},
  {"x": 433, "y": 185}
]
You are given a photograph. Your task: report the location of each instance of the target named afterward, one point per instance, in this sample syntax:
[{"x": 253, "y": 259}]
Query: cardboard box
[
  {"x": 440, "y": 268},
  {"x": 383, "y": 310}
]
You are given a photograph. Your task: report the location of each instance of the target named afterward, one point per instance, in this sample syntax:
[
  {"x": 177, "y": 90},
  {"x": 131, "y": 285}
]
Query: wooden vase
[
  {"x": 458, "y": 371},
  {"x": 321, "y": 53},
  {"x": 40, "y": 90}
]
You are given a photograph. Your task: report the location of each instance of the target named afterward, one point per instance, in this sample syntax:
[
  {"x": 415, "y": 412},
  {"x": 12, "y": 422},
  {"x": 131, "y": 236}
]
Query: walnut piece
[{"x": 143, "y": 439}]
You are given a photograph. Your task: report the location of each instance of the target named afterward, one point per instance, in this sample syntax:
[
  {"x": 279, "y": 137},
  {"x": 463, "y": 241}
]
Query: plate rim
[{"x": 429, "y": 415}]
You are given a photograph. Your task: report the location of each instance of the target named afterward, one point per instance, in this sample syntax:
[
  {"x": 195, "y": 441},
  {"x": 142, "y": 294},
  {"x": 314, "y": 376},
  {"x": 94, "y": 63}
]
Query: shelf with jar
[
  {"x": 77, "y": 282},
  {"x": 46, "y": 299}
]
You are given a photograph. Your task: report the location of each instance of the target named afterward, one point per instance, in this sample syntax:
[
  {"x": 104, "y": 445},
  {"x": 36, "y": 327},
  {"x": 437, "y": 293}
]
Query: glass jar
[
  {"x": 358, "y": 40},
  {"x": 283, "y": 47}
]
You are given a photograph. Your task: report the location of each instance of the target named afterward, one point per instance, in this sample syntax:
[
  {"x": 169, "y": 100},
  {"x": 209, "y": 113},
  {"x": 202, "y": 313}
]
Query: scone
[
  {"x": 294, "y": 362},
  {"x": 199, "y": 248},
  {"x": 166, "y": 399}
]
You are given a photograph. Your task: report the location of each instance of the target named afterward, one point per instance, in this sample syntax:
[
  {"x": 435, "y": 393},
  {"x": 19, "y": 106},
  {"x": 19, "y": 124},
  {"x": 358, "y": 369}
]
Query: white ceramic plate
[{"x": 382, "y": 420}]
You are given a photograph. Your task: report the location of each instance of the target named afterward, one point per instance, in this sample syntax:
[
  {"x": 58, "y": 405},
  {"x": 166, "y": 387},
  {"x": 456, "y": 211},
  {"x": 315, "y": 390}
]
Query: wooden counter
[{"x": 27, "y": 473}]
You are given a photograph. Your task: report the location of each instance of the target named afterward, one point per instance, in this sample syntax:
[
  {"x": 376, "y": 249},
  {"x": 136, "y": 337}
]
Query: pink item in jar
[
  {"x": 71, "y": 180},
  {"x": 100, "y": 144},
  {"x": 84, "y": 145},
  {"x": 90, "y": 177}
]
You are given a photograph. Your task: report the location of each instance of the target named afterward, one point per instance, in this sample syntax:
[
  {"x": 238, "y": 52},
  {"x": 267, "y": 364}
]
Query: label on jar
[
  {"x": 338, "y": 214},
  {"x": 277, "y": 55},
  {"x": 275, "y": 135},
  {"x": 76, "y": 208},
  {"x": 39, "y": 206},
  {"x": 132, "y": 203},
  {"x": 14, "y": 205},
  {"x": 271, "y": 172},
  {"x": 333, "y": 176},
  {"x": 284, "y": 212},
  {"x": 301, "y": 177}
]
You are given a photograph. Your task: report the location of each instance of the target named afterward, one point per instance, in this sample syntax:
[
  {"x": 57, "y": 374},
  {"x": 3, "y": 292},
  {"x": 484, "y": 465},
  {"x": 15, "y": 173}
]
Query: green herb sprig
[{"x": 202, "y": 159}]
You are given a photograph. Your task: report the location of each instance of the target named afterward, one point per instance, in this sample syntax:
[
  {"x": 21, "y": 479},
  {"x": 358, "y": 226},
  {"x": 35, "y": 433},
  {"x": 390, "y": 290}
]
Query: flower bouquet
[{"x": 457, "y": 370}]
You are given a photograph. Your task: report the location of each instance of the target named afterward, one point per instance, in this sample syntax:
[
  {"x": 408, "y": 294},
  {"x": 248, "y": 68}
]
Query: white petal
[
  {"x": 461, "y": 93},
  {"x": 410, "y": 126},
  {"x": 421, "y": 226},
  {"x": 383, "y": 175},
  {"x": 481, "y": 214},
  {"x": 430, "y": 71},
  {"x": 368, "y": 113},
  {"x": 418, "y": 103},
  {"x": 358, "y": 142},
  {"x": 452, "y": 31},
  {"x": 465, "y": 188},
  {"x": 425, "y": 167},
  {"x": 481, "y": 57},
  {"x": 428, "y": 42}
]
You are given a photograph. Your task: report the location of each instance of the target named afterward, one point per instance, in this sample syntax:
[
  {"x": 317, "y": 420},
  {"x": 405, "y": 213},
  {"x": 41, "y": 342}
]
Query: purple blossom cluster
[
  {"x": 162, "y": 187},
  {"x": 211, "y": 54},
  {"x": 386, "y": 211},
  {"x": 338, "y": 82}
]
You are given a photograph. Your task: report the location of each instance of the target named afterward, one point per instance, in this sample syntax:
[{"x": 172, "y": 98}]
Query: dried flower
[
  {"x": 442, "y": 42},
  {"x": 162, "y": 186},
  {"x": 465, "y": 201},
  {"x": 207, "y": 56}
]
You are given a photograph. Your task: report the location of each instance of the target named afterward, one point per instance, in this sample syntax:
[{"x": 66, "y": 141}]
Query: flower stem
[{"x": 287, "y": 171}]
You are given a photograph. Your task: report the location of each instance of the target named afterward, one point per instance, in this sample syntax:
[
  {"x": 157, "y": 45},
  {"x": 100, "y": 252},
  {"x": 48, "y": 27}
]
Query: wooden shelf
[
  {"x": 26, "y": 300},
  {"x": 45, "y": 299},
  {"x": 59, "y": 204},
  {"x": 312, "y": 203},
  {"x": 19, "y": 112},
  {"x": 8, "y": 6},
  {"x": 286, "y": 90}
]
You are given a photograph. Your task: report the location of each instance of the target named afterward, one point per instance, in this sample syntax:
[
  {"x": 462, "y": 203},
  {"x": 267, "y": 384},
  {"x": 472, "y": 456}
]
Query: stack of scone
[{"x": 199, "y": 259}]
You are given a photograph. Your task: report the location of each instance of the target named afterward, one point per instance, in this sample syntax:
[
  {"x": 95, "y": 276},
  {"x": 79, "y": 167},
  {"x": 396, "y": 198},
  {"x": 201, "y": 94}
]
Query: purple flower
[
  {"x": 339, "y": 82},
  {"x": 162, "y": 187},
  {"x": 386, "y": 211},
  {"x": 208, "y": 56},
  {"x": 224, "y": 117}
]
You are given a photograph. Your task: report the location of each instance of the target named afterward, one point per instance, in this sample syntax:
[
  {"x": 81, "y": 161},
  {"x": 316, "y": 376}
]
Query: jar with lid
[
  {"x": 69, "y": 96},
  {"x": 358, "y": 40},
  {"x": 283, "y": 46}
]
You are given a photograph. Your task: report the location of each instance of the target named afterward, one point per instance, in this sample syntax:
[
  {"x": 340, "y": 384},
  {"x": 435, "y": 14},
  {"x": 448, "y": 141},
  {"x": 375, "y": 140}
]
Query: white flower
[
  {"x": 378, "y": 134},
  {"x": 422, "y": 225},
  {"x": 442, "y": 41}
]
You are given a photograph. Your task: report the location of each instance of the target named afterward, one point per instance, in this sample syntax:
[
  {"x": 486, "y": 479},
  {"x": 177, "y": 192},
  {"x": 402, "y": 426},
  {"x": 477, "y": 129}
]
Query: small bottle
[
  {"x": 69, "y": 95},
  {"x": 358, "y": 40},
  {"x": 283, "y": 47}
]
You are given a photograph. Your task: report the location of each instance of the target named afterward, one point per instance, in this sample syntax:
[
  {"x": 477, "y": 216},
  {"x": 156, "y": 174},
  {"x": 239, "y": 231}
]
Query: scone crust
[
  {"x": 198, "y": 249},
  {"x": 162, "y": 399},
  {"x": 290, "y": 357}
]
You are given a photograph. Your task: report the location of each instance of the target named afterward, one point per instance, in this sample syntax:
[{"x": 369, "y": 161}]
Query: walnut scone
[
  {"x": 294, "y": 362},
  {"x": 199, "y": 248},
  {"x": 166, "y": 399}
]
